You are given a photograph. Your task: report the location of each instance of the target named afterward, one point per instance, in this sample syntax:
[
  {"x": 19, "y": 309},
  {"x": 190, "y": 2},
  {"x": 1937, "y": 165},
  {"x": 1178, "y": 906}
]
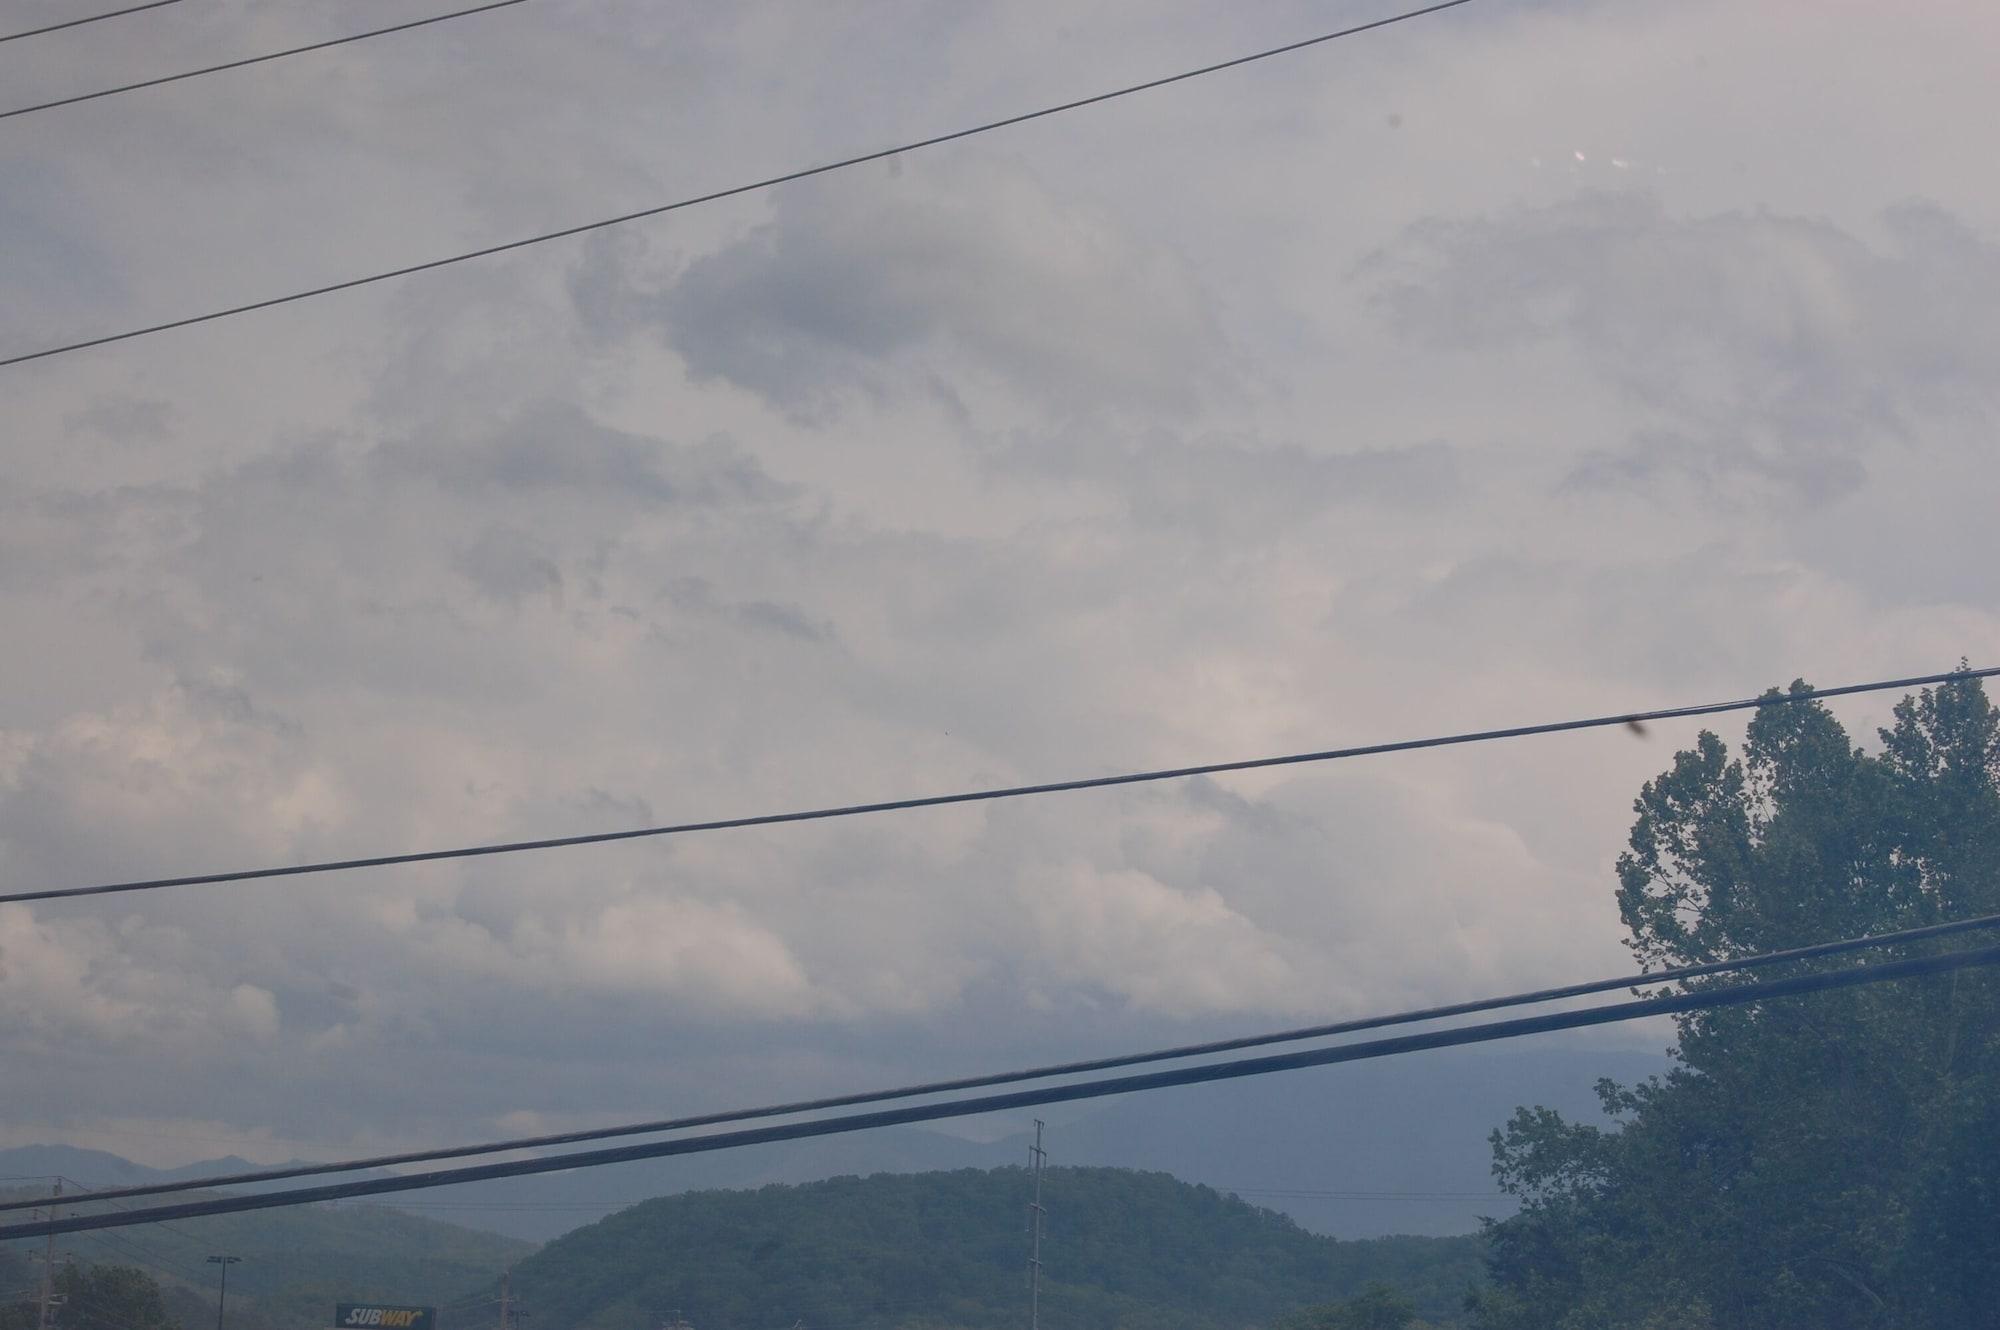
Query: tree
[
  {"x": 1822, "y": 1162},
  {"x": 1377, "y": 1307},
  {"x": 98, "y": 1297}
]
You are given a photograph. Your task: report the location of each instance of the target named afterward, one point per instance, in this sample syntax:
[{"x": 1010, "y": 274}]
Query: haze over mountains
[{"x": 1397, "y": 1146}]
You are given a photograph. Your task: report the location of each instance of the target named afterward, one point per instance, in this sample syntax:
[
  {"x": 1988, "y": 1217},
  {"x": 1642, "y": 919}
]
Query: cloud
[
  {"x": 1175, "y": 952},
  {"x": 120, "y": 984},
  {"x": 971, "y": 268},
  {"x": 1209, "y": 488},
  {"x": 1780, "y": 350},
  {"x": 711, "y": 954}
]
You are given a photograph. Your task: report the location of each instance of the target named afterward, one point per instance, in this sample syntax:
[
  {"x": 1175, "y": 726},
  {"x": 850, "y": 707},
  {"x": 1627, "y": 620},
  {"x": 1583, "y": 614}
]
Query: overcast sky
[{"x": 1525, "y": 361}]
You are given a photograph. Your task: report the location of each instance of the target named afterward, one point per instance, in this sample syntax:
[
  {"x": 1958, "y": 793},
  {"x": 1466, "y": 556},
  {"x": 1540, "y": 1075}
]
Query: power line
[
  {"x": 1391, "y": 1047},
  {"x": 79, "y": 22},
  {"x": 732, "y": 191},
  {"x": 1772, "y": 698},
  {"x": 1815, "y": 951},
  {"x": 255, "y": 59}
]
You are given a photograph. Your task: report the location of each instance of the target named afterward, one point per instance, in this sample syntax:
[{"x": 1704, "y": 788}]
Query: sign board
[{"x": 375, "y": 1316}]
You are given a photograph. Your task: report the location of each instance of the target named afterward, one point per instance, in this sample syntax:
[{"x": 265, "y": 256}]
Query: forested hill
[
  {"x": 296, "y": 1263},
  {"x": 1122, "y": 1249}
]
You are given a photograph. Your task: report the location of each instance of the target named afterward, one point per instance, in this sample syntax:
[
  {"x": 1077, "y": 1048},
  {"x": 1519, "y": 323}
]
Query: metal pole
[
  {"x": 49, "y": 1265},
  {"x": 222, "y": 1290},
  {"x": 1035, "y": 1213}
]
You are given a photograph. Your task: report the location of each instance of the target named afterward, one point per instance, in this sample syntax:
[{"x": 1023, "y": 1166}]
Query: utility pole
[
  {"x": 48, "y": 1297},
  {"x": 506, "y": 1298},
  {"x": 1035, "y": 1213},
  {"x": 222, "y": 1290}
]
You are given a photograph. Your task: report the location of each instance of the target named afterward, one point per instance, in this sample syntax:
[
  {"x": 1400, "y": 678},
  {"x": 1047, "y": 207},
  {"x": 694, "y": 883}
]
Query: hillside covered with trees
[
  {"x": 296, "y": 1263},
  {"x": 1122, "y": 1248}
]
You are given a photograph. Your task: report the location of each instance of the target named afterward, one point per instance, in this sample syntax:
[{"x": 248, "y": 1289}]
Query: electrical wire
[
  {"x": 1392, "y": 1046},
  {"x": 79, "y": 22},
  {"x": 1679, "y": 974},
  {"x": 732, "y": 191},
  {"x": 255, "y": 59},
  {"x": 1772, "y": 698}
]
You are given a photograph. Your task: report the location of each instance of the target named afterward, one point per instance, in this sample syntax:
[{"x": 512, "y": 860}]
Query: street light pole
[{"x": 222, "y": 1292}]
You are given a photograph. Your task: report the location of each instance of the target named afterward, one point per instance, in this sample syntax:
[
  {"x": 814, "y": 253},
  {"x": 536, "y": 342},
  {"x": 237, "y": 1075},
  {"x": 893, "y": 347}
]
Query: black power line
[
  {"x": 1773, "y": 698},
  {"x": 732, "y": 191},
  {"x": 255, "y": 59},
  {"x": 1393, "y": 1046},
  {"x": 1816, "y": 951},
  {"x": 79, "y": 22}
]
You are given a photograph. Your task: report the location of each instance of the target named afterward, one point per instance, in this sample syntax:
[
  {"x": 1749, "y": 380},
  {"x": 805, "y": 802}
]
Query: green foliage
[
  {"x": 95, "y": 1297},
  {"x": 1816, "y": 1163},
  {"x": 1377, "y": 1307},
  {"x": 1124, "y": 1249}
]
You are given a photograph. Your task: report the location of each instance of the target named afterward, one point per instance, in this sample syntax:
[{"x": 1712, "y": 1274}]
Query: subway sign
[{"x": 375, "y": 1316}]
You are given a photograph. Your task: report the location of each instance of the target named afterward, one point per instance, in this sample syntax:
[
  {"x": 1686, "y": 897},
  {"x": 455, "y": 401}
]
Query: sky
[{"x": 1526, "y": 361}]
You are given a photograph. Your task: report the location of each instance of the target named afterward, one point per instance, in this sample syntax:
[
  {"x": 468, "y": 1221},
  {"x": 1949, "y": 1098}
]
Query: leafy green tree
[
  {"x": 98, "y": 1297},
  {"x": 1377, "y": 1307},
  {"x": 1818, "y": 1163}
]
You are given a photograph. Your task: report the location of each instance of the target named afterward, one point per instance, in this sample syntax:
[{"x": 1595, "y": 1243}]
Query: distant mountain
[
  {"x": 950, "y": 1249},
  {"x": 98, "y": 1168}
]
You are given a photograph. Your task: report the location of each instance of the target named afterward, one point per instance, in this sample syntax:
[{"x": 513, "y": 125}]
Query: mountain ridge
[{"x": 950, "y": 1249}]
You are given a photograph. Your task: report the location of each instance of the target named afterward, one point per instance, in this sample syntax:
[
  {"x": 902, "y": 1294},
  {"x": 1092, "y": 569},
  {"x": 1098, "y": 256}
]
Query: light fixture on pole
[{"x": 222, "y": 1292}]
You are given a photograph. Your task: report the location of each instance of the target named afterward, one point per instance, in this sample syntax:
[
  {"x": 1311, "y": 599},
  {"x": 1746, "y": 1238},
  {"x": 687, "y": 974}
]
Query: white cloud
[
  {"x": 1180, "y": 953},
  {"x": 121, "y": 984},
  {"x": 713, "y": 954}
]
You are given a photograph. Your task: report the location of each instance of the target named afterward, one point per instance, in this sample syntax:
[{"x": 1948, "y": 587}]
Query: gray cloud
[
  {"x": 1753, "y": 346},
  {"x": 973, "y": 264}
]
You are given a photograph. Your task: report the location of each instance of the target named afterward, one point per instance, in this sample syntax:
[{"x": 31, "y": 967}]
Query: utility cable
[
  {"x": 255, "y": 59},
  {"x": 732, "y": 191},
  {"x": 1680, "y": 974},
  {"x": 1393, "y": 1046},
  {"x": 1772, "y": 698},
  {"x": 79, "y": 22}
]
